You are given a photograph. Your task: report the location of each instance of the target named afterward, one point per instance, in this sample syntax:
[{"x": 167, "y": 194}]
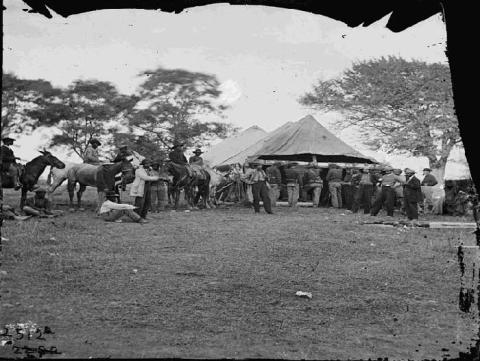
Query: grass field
[{"x": 221, "y": 283}]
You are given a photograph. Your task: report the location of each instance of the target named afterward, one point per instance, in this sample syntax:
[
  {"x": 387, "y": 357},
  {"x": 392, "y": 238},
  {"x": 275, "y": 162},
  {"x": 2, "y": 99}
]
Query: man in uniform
[
  {"x": 257, "y": 177},
  {"x": 91, "y": 155},
  {"x": 9, "y": 162},
  {"x": 314, "y": 182},
  {"x": 123, "y": 153},
  {"x": 363, "y": 195},
  {"x": 178, "y": 157},
  {"x": 334, "y": 179},
  {"x": 412, "y": 194},
  {"x": 429, "y": 179},
  {"x": 398, "y": 188},
  {"x": 196, "y": 163},
  {"x": 274, "y": 178},
  {"x": 159, "y": 188},
  {"x": 387, "y": 193},
  {"x": 294, "y": 183},
  {"x": 196, "y": 159}
]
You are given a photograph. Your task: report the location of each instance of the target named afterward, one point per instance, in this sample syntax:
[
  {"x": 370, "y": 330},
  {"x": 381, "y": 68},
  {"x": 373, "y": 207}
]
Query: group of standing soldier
[{"x": 370, "y": 188}]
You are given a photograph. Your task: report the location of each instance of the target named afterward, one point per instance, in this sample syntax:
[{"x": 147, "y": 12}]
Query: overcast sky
[{"x": 265, "y": 58}]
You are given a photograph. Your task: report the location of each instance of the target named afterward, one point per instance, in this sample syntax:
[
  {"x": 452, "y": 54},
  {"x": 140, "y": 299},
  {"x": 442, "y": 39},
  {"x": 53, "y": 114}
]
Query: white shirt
[{"x": 107, "y": 206}]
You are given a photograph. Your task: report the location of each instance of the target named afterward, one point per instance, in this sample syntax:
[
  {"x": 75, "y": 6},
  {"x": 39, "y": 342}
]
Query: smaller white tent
[{"x": 220, "y": 153}]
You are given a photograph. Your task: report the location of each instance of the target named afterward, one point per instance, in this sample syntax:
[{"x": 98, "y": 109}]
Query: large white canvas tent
[
  {"x": 307, "y": 140},
  {"x": 221, "y": 153}
]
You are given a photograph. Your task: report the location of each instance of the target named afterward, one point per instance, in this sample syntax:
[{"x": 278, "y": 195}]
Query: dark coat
[
  {"x": 429, "y": 180},
  {"x": 8, "y": 157},
  {"x": 273, "y": 174},
  {"x": 412, "y": 191},
  {"x": 177, "y": 156}
]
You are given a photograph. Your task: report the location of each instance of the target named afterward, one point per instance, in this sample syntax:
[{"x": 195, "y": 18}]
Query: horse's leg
[
  {"x": 101, "y": 199},
  {"x": 23, "y": 197},
  {"x": 79, "y": 196},
  {"x": 71, "y": 191},
  {"x": 53, "y": 186}
]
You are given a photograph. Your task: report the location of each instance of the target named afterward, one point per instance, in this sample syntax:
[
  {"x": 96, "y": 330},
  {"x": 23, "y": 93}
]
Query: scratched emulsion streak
[{"x": 403, "y": 14}]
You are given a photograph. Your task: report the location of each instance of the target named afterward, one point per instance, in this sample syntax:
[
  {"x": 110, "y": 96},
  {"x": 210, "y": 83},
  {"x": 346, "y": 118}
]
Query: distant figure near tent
[
  {"x": 275, "y": 180},
  {"x": 334, "y": 179},
  {"x": 294, "y": 183},
  {"x": 91, "y": 154}
]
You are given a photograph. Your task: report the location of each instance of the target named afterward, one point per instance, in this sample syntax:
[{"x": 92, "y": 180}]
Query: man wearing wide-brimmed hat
[
  {"x": 196, "y": 159},
  {"x": 257, "y": 177},
  {"x": 412, "y": 194},
  {"x": 91, "y": 154},
  {"x": 9, "y": 162}
]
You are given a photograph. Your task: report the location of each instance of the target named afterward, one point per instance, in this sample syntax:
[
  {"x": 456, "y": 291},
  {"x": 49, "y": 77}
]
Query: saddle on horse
[{"x": 197, "y": 171}]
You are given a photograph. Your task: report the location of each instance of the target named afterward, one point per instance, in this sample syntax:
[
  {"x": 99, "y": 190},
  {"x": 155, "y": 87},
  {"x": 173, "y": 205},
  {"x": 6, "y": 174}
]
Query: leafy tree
[
  {"x": 23, "y": 101},
  {"x": 171, "y": 105},
  {"x": 88, "y": 109},
  {"x": 399, "y": 106}
]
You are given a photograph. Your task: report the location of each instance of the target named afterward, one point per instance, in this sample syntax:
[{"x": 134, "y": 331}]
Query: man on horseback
[
  {"x": 196, "y": 163},
  {"x": 91, "y": 155},
  {"x": 9, "y": 162},
  {"x": 177, "y": 157},
  {"x": 123, "y": 153}
]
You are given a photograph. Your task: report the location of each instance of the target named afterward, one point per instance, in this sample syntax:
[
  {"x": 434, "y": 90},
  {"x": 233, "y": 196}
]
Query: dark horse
[
  {"x": 31, "y": 172},
  {"x": 102, "y": 177},
  {"x": 182, "y": 180}
]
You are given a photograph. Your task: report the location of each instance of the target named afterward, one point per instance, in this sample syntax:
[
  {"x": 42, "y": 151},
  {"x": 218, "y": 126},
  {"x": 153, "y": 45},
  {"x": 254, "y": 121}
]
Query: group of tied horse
[{"x": 112, "y": 176}]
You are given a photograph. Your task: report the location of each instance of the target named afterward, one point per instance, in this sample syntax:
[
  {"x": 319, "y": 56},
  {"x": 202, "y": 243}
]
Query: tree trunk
[{"x": 438, "y": 169}]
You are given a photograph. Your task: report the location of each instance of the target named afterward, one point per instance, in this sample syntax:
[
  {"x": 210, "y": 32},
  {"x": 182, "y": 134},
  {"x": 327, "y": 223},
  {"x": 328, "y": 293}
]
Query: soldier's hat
[
  {"x": 95, "y": 141},
  {"x": 387, "y": 168},
  {"x": 123, "y": 146},
  {"x": 146, "y": 161},
  {"x": 7, "y": 138},
  {"x": 427, "y": 169},
  {"x": 198, "y": 151},
  {"x": 408, "y": 171}
]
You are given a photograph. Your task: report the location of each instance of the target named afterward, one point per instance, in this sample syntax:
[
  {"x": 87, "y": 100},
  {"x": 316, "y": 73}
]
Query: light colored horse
[
  {"x": 85, "y": 174},
  {"x": 216, "y": 179}
]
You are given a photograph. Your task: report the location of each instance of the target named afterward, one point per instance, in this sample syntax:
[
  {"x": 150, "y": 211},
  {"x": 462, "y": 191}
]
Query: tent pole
[{"x": 314, "y": 159}]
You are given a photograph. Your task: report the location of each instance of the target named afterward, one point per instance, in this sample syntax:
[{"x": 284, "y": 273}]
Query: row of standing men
[{"x": 372, "y": 187}]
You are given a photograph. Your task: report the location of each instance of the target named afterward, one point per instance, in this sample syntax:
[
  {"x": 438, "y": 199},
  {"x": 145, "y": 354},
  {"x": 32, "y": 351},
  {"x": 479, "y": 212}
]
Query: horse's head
[
  {"x": 128, "y": 170},
  {"x": 51, "y": 160}
]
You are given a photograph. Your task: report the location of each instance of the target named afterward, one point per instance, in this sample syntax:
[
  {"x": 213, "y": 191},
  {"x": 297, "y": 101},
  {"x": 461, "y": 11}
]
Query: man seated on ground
[
  {"x": 111, "y": 211},
  {"x": 39, "y": 205}
]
